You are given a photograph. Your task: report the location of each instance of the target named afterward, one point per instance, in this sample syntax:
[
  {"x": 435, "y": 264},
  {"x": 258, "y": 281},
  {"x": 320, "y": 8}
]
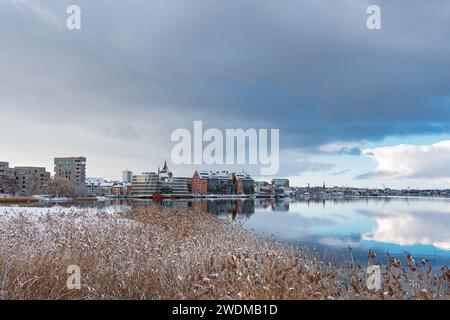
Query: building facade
[
  {"x": 101, "y": 187},
  {"x": 280, "y": 183},
  {"x": 163, "y": 182},
  {"x": 222, "y": 182},
  {"x": 71, "y": 168},
  {"x": 28, "y": 180},
  {"x": 127, "y": 176},
  {"x": 212, "y": 182},
  {"x": 244, "y": 183},
  {"x": 93, "y": 186},
  {"x": 32, "y": 180},
  {"x": 5, "y": 169}
]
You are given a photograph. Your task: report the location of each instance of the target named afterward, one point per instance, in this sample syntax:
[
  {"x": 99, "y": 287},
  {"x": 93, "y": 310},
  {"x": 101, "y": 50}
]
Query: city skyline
[{"x": 356, "y": 107}]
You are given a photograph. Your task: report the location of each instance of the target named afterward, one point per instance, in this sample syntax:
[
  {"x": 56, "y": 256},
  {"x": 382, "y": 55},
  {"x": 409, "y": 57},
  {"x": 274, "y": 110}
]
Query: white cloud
[
  {"x": 36, "y": 8},
  {"x": 411, "y": 228},
  {"x": 410, "y": 161}
]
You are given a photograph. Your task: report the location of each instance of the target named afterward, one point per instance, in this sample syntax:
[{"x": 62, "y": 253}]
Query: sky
[{"x": 354, "y": 107}]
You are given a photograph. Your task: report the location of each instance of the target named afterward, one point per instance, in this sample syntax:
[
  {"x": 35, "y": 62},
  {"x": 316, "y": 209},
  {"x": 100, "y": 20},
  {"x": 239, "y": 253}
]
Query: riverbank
[
  {"x": 154, "y": 253},
  {"x": 18, "y": 200}
]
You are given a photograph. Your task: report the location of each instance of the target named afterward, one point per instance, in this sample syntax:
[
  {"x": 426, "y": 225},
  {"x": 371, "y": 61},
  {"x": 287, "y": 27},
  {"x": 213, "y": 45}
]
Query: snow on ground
[
  {"x": 40, "y": 211},
  {"x": 43, "y": 219}
]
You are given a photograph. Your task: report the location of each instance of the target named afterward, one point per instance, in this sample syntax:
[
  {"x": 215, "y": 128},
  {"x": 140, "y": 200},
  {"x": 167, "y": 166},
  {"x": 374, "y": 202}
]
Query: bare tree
[
  {"x": 9, "y": 185},
  {"x": 80, "y": 190},
  {"x": 60, "y": 187}
]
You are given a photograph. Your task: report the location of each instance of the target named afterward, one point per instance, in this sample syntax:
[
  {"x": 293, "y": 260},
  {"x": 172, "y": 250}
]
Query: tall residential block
[
  {"x": 127, "y": 176},
  {"x": 71, "y": 168}
]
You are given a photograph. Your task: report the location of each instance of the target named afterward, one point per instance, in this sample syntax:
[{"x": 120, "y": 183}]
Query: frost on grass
[{"x": 155, "y": 253}]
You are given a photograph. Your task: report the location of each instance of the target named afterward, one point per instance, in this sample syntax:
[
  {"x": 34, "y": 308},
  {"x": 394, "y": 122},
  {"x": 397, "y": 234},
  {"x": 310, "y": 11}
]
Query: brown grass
[
  {"x": 155, "y": 253},
  {"x": 18, "y": 200}
]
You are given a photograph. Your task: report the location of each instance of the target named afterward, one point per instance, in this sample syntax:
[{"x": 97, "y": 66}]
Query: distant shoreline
[{"x": 31, "y": 200}]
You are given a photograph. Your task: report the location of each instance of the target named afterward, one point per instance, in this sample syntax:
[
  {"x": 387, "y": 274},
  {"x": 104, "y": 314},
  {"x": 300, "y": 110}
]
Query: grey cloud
[
  {"x": 298, "y": 167},
  {"x": 371, "y": 175},
  {"x": 337, "y": 173},
  {"x": 310, "y": 68},
  {"x": 121, "y": 131}
]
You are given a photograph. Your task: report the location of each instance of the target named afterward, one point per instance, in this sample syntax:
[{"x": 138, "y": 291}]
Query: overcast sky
[{"x": 354, "y": 106}]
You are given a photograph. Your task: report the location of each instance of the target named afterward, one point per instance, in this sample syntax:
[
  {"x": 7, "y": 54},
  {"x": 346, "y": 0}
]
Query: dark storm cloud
[{"x": 310, "y": 68}]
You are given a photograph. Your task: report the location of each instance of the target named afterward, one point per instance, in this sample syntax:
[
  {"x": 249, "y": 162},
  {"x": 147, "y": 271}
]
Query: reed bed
[{"x": 154, "y": 253}]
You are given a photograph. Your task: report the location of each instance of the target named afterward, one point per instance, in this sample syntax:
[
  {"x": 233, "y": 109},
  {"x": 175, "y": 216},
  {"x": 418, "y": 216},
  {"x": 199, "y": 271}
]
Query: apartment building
[
  {"x": 28, "y": 180},
  {"x": 32, "y": 180},
  {"x": 5, "y": 169},
  {"x": 222, "y": 182},
  {"x": 71, "y": 168}
]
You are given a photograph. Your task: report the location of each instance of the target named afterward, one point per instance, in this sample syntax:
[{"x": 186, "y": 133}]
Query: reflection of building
[
  {"x": 281, "y": 183},
  {"x": 228, "y": 208},
  {"x": 147, "y": 184},
  {"x": 280, "y": 205},
  {"x": 222, "y": 182},
  {"x": 71, "y": 168}
]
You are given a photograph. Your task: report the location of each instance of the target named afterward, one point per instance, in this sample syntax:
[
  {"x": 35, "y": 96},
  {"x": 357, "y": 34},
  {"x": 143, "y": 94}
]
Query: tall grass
[{"x": 155, "y": 253}]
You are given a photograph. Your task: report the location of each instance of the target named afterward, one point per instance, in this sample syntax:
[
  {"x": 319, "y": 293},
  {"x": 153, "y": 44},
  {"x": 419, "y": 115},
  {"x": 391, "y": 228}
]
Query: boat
[{"x": 159, "y": 196}]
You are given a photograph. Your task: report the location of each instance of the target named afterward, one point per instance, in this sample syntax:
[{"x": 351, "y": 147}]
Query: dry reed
[{"x": 155, "y": 253}]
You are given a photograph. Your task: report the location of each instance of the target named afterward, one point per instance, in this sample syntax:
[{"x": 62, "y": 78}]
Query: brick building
[{"x": 222, "y": 182}]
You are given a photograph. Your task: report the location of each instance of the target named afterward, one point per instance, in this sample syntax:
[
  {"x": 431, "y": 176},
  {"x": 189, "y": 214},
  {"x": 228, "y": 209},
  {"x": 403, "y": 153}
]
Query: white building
[
  {"x": 147, "y": 184},
  {"x": 93, "y": 185},
  {"x": 127, "y": 176}
]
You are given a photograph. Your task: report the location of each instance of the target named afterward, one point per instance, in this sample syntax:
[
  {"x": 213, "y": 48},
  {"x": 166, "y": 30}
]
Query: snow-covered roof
[
  {"x": 94, "y": 181},
  {"x": 221, "y": 175},
  {"x": 107, "y": 184},
  {"x": 243, "y": 176}
]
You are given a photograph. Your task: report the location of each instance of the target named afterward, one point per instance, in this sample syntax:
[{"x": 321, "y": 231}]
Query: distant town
[{"x": 69, "y": 181}]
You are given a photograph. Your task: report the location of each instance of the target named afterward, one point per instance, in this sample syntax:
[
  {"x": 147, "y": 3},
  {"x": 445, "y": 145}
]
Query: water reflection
[
  {"x": 413, "y": 227},
  {"x": 416, "y": 225},
  {"x": 384, "y": 223}
]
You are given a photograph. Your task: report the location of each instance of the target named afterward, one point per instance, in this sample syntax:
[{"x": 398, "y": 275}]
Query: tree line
[{"x": 56, "y": 187}]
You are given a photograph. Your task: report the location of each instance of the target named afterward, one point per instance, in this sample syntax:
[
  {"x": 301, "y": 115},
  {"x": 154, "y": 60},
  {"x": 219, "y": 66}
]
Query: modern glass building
[{"x": 162, "y": 182}]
